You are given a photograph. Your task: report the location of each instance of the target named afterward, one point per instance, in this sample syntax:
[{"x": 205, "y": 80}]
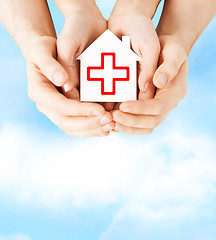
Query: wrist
[
  {"x": 28, "y": 42},
  {"x": 144, "y": 7},
  {"x": 176, "y": 41},
  {"x": 182, "y": 38},
  {"x": 69, "y": 7},
  {"x": 26, "y": 35}
]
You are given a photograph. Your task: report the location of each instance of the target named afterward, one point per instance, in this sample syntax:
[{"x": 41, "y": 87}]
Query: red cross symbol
[{"x": 108, "y": 73}]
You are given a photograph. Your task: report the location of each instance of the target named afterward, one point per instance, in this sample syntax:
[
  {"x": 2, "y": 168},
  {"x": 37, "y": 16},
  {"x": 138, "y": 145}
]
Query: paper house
[{"x": 108, "y": 70}]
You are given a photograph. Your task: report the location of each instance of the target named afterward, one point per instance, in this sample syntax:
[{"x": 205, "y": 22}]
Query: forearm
[
  {"x": 145, "y": 7},
  {"x": 26, "y": 21},
  {"x": 186, "y": 20}
]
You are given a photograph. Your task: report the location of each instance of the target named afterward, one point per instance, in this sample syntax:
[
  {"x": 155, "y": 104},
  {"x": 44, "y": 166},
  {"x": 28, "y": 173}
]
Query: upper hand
[
  {"x": 143, "y": 116},
  {"x": 76, "y": 119}
]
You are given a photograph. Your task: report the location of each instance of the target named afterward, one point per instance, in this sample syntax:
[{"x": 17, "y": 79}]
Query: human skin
[
  {"x": 133, "y": 18},
  {"x": 177, "y": 35},
  {"x": 23, "y": 18},
  {"x": 84, "y": 23},
  {"x": 185, "y": 21},
  {"x": 143, "y": 116}
]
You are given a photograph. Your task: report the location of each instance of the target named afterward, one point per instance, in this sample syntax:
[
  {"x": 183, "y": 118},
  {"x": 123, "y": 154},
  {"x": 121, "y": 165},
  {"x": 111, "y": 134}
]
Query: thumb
[
  {"x": 68, "y": 50},
  {"x": 42, "y": 56},
  {"x": 51, "y": 69},
  {"x": 172, "y": 57}
]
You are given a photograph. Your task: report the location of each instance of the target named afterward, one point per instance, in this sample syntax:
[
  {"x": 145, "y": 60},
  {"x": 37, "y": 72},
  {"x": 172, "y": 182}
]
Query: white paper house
[{"x": 108, "y": 70}]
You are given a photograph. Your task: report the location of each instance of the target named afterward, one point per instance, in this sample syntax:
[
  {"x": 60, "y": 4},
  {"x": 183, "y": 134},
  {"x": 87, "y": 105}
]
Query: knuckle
[
  {"x": 173, "y": 67},
  {"x": 135, "y": 122},
  {"x": 101, "y": 133},
  {"x": 136, "y": 133},
  {"x": 72, "y": 133},
  {"x": 31, "y": 96},
  {"x": 69, "y": 134},
  {"x": 184, "y": 91},
  {"x": 157, "y": 46},
  {"x": 181, "y": 91},
  {"x": 61, "y": 40},
  {"x": 156, "y": 121},
  {"x": 149, "y": 131},
  {"x": 176, "y": 104},
  {"x": 39, "y": 108},
  {"x": 65, "y": 38},
  {"x": 46, "y": 63},
  {"x": 62, "y": 127},
  {"x": 159, "y": 109},
  {"x": 92, "y": 123},
  {"x": 63, "y": 107},
  {"x": 60, "y": 123}
]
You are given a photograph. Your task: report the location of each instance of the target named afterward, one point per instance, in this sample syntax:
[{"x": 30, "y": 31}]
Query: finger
[
  {"x": 43, "y": 57},
  {"x": 145, "y": 43},
  {"x": 138, "y": 121},
  {"x": 69, "y": 46},
  {"x": 150, "y": 106},
  {"x": 43, "y": 92},
  {"x": 149, "y": 94},
  {"x": 148, "y": 66},
  {"x": 73, "y": 94},
  {"x": 165, "y": 99},
  {"x": 132, "y": 130},
  {"x": 52, "y": 70},
  {"x": 147, "y": 107},
  {"x": 172, "y": 58},
  {"x": 76, "y": 124},
  {"x": 67, "y": 49}
]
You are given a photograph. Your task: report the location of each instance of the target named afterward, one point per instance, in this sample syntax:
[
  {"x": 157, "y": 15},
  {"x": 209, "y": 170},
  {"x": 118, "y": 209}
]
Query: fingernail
[
  {"x": 162, "y": 79},
  {"x": 59, "y": 78},
  {"x": 146, "y": 87},
  {"x": 107, "y": 128},
  {"x": 67, "y": 87},
  {"x": 104, "y": 121}
]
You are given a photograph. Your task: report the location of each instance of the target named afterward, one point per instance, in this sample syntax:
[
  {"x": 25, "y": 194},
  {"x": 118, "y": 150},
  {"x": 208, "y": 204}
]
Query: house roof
[{"x": 108, "y": 38}]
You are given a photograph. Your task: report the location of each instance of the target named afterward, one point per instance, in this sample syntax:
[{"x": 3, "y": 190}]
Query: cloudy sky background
[{"x": 161, "y": 186}]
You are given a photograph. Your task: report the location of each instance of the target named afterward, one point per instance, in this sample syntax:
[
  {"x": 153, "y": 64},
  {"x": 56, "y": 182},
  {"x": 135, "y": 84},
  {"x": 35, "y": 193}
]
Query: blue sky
[{"x": 162, "y": 187}]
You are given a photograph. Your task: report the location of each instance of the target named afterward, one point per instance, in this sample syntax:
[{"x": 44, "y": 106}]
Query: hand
[
  {"x": 83, "y": 24},
  {"x": 76, "y": 119},
  {"x": 143, "y": 116},
  {"x": 131, "y": 21}
]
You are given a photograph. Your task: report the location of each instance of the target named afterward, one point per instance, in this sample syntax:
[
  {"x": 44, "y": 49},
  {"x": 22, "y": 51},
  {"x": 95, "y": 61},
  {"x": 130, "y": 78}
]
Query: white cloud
[
  {"x": 136, "y": 221},
  {"x": 16, "y": 236},
  {"x": 163, "y": 183},
  {"x": 171, "y": 169}
]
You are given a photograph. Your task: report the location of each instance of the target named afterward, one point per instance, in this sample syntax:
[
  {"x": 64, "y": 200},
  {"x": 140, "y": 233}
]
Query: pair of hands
[{"x": 53, "y": 63}]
